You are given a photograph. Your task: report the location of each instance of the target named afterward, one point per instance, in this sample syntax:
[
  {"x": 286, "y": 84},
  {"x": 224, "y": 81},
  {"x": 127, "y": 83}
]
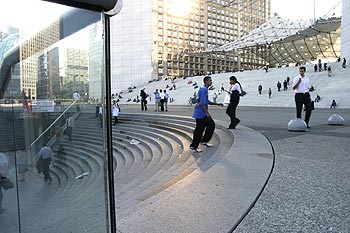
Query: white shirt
[
  {"x": 304, "y": 86},
  {"x": 236, "y": 87}
]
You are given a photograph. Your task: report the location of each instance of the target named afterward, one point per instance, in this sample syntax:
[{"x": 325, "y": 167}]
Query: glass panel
[{"x": 52, "y": 140}]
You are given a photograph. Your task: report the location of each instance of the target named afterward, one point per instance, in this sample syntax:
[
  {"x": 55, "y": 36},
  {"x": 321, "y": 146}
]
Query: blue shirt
[
  {"x": 46, "y": 153},
  {"x": 156, "y": 95},
  {"x": 203, "y": 99}
]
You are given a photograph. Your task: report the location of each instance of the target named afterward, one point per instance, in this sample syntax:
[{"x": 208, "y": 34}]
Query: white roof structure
[{"x": 281, "y": 41}]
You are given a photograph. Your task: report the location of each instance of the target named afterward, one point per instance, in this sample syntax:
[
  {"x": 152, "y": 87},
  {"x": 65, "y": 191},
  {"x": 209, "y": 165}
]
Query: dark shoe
[
  {"x": 238, "y": 120},
  {"x": 232, "y": 127}
]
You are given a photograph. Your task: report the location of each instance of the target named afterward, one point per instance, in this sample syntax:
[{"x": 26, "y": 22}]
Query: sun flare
[{"x": 180, "y": 8}]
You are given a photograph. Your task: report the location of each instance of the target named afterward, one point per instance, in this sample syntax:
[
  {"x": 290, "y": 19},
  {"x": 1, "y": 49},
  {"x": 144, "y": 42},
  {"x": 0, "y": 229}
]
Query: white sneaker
[
  {"x": 207, "y": 144},
  {"x": 196, "y": 149}
]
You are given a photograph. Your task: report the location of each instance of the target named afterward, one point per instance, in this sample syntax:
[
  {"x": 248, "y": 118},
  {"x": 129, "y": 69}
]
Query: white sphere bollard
[
  {"x": 335, "y": 119},
  {"x": 297, "y": 124}
]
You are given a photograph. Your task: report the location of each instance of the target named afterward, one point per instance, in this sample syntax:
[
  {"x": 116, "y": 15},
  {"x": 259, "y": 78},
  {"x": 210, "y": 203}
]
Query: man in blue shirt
[{"x": 204, "y": 121}]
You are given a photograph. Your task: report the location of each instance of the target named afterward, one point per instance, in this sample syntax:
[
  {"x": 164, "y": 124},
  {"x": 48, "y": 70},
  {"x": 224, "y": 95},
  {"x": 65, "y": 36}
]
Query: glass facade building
[{"x": 52, "y": 76}]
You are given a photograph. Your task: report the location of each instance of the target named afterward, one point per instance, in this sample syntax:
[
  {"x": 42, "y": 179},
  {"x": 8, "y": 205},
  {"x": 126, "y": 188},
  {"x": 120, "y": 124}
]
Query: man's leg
[
  {"x": 198, "y": 132},
  {"x": 209, "y": 131},
  {"x": 307, "y": 103},
  {"x": 298, "y": 104}
]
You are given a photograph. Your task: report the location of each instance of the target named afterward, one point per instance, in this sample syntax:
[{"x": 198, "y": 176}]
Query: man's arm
[{"x": 296, "y": 85}]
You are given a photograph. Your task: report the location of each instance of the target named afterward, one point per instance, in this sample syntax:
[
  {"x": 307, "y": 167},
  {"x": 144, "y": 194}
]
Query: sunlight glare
[{"x": 180, "y": 8}]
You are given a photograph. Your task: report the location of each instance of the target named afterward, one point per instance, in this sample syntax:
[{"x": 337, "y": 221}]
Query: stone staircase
[{"x": 162, "y": 158}]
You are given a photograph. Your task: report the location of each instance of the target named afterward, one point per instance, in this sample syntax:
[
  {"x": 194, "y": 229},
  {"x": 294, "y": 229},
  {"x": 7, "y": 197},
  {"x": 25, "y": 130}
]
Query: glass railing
[{"x": 51, "y": 83}]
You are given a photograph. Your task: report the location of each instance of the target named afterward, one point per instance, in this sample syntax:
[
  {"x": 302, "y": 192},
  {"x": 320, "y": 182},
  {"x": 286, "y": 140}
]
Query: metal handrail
[{"x": 53, "y": 123}]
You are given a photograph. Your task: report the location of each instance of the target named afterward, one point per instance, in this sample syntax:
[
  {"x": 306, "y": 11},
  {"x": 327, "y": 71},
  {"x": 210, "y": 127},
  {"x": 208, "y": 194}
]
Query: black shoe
[{"x": 238, "y": 120}]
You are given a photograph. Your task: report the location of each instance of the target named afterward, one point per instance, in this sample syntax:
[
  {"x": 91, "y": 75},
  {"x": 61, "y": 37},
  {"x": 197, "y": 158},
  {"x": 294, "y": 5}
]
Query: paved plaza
[{"x": 308, "y": 190}]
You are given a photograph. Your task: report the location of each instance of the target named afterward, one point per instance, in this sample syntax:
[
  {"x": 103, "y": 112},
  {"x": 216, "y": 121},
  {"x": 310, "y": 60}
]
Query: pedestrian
[
  {"x": 58, "y": 134},
  {"x": 143, "y": 99},
  {"x": 166, "y": 100},
  {"x": 4, "y": 169},
  {"x": 301, "y": 87},
  {"x": 288, "y": 79},
  {"x": 270, "y": 92},
  {"x": 156, "y": 99},
  {"x": 279, "y": 85},
  {"x": 234, "y": 92},
  {"x": 329, "y": 69},
  {"x": 333, "y": 104},
  {"x": 204, "y": 121},
  {"x": 45, "y": 158},
  {"x": 115, "y": 111},
  {"x": 344, "y": 63},
  {"x": 285, "y": 86},
  {"x": 260, "y": 89},
  {"x": 315, "y": 67},
  {"x": 162, "y": 99},
  {"x": 70, "y": 124}
]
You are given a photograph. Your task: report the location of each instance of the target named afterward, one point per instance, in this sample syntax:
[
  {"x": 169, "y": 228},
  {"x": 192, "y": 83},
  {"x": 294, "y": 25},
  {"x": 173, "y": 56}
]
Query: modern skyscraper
[{"x": 167, "y": 38}]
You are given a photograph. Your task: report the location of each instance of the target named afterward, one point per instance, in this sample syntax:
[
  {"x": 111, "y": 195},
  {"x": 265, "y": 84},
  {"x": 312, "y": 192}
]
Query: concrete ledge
[{"x": 209, "y": 200}]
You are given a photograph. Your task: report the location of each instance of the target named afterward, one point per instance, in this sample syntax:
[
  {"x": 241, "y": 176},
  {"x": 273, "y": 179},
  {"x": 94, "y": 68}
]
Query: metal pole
[{"x": 110, "y": 169}]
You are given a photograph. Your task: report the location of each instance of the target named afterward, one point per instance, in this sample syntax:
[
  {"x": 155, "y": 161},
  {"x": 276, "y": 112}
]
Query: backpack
[
  {"x": 4, "y": 165},
  {"x": 195, "y": 98}
]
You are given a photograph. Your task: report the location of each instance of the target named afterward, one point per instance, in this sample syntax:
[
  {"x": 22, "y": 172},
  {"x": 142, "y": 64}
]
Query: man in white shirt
[{"x": 301, "y": 87}]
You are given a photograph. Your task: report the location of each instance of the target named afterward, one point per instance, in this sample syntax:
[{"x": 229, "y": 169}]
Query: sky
[{"x": 304, "y": 9}]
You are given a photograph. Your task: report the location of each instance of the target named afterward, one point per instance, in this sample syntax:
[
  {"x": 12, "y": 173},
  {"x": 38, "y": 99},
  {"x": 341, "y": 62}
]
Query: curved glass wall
[{"x": 52, "y": 137}]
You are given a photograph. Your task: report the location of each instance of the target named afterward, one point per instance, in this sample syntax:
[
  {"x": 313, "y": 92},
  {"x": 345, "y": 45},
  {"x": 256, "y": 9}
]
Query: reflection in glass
[{"x": 51, "y": 139}]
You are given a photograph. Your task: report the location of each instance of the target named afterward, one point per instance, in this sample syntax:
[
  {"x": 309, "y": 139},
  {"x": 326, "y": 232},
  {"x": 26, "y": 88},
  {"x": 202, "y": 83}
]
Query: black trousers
[
  {"x": 231, "y": 112},
  {"x": 143, "y": 104},
  {"x": 300, "y": 100},
  {"x": 203, "y": 124},
  {"x": 162, "y": 105},
  {"x": 46, "y": 169}
]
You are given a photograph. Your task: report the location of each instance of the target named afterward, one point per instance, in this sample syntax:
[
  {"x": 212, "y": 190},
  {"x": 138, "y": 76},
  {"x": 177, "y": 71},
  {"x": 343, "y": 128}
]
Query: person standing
[
  {"x": 45, "y": 158},
  {"x": 156, "y": 99},
  {"x": 162, "y": 99},
  {"x": 143, "y": 100},
  {"x": 344, "y": 63},
  {"x": 301, "y": 87},
  {"x": 166, "y": 99},
  {"x": 115, "y": 111},
  {"x": 234, "y": 92},
  {"x": 204, "y": 121},
  {"x": 279, "y": 85},
  {"x": 270, "y": 92}
]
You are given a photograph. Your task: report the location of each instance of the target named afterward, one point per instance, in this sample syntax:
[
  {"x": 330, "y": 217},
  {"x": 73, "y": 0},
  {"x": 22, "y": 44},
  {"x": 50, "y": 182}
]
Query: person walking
[
  {"x": 234, "y": 92},
  {"x": 270, "y": 92},
  {"x": 45, "y": 158},
  {"x": 301, "y": 87},
  {"x": 4, "y": 170},
  {"x": 344, "y": 63},
  {"x": 143, "y": 100},
  {"x": 260, "y": 89},
  {"x": 204, "y": 121},
  {"x": 115, "y": 111},
  {"x": 329, "y": 69},
  {"x": 70, "y": 124}
]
